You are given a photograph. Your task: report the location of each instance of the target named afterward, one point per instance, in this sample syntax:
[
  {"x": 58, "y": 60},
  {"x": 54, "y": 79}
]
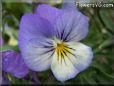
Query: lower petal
[
  {"x": 76, "y": 61},
  {"x": 63, "y": 70},
  {"x": 83, "y": 55}
]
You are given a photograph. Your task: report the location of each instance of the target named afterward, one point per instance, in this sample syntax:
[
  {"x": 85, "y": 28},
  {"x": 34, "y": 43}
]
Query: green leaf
[
  {"x": 106, "y": 16},
  {"x": 106, "y": 43}
]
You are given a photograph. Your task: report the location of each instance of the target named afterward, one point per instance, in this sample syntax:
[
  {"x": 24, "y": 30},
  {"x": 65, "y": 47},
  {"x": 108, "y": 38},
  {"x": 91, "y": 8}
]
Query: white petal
[
  {"x": 71, "y": 65},
  {"x": 38, "y": 55},
  {"x": 84, "y": 55},
  {"x": 63, "y": 70}
]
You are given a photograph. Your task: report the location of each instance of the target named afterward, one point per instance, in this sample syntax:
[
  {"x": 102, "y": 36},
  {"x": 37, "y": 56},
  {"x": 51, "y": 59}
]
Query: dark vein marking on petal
[
  {"x": 69, "y": 47},
  {"x": 62, "y": 35},
  {"x": 52, "y": 49},
  {"x": 46, "y": 58},
  {"x": 72, "y": 37},
  {"x": 70, "y": 52},
  {"x": 70, "y": 30}
]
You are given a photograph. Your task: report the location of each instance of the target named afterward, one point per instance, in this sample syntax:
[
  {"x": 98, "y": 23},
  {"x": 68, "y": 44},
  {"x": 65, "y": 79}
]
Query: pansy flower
[
  {"x": 49, "y": 38},
  {"x": 13, "y": 63}
]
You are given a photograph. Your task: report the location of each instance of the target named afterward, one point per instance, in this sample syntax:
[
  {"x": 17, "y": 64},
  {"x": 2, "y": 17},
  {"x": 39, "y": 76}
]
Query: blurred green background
[{"x": 100, "y": 38}]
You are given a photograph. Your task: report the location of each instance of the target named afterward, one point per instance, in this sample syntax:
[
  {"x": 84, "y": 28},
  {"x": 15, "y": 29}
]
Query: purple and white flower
[
  {"x": 13, "y": 63},
  {"x": 49, "y": 38}
]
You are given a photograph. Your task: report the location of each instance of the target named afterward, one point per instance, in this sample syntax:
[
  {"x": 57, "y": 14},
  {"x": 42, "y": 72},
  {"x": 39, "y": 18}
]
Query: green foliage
[{"x": 100, "y": 38}]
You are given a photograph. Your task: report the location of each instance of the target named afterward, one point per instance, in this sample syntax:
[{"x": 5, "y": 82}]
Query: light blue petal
[
  {"x": 48, "y": 12},
  {"x": 37, "y": 53},
  {"x": 33, "y": 34},
  {"x": 71, "y": 26}
]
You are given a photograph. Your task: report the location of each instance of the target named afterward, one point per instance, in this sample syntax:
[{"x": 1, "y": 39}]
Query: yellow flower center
[{"x": 62, "y": 50}]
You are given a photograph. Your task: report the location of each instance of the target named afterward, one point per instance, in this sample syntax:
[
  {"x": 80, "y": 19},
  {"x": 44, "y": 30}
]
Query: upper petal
[
  {"x": 13, "y": 63},
  {"x": 71, "y": 26},
  {"x": 48, "y": 12},
  {"x": 32, "y": 25},
  {"x": 77, "y": 59},
  {"x": 33, "y": 38}
]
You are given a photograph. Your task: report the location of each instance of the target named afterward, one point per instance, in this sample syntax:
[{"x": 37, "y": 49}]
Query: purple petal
[
  {"x": 71, "y": 26},
  {"x": 32, "y": 26},
  {"x": 48, "y": 12},
  {"x": 11, "y": 62},
  {"x": 33, "y": 34}
]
